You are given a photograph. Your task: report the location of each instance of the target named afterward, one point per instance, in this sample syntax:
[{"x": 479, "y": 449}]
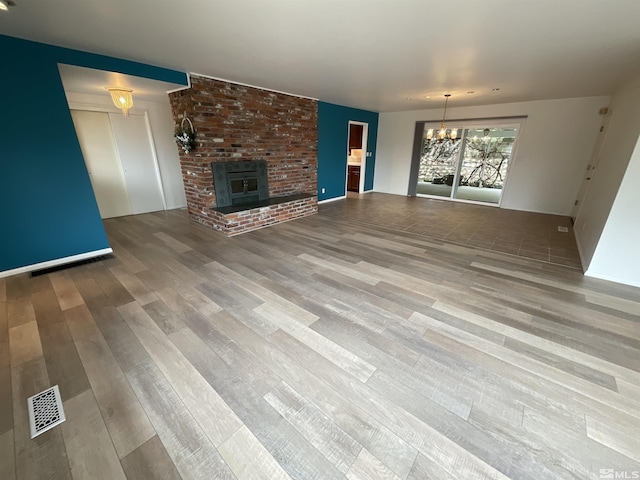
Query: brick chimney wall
[{"x": 234, "y": 123}]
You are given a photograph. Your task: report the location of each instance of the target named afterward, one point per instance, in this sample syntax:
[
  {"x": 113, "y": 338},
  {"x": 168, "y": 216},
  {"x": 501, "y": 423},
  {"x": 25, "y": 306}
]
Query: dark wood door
[
  {"x": 355, "y": 136},
  {"x": 353, "y": 181}
]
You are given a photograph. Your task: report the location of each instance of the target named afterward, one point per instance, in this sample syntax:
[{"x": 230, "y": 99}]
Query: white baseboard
[
  {"x": 610, "y": 279},
  {"x": 55, "y": 263},
  {"x": 537, "y": 211},
  {"x": 332, "y": 199},
  {"x": 342, "y": 197},
  {"x": 584, "y": 264}
]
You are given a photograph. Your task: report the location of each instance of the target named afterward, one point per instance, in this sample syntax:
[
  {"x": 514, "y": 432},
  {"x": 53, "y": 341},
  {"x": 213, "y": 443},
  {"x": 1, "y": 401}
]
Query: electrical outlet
[{"x": 322, "y": 191}]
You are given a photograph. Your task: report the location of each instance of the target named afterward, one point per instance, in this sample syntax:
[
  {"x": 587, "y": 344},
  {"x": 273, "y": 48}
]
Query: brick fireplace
[{"x": 236, "y": 123}]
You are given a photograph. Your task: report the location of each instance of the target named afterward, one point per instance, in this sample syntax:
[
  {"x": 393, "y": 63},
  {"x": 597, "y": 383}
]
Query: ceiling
[
  {"x": 94, "y": 82},
  {"x": 371, "y": 54}
]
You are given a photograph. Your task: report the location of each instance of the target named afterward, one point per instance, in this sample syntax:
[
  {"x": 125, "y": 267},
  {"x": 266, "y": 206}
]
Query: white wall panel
[{"x": 607, "y": 227}]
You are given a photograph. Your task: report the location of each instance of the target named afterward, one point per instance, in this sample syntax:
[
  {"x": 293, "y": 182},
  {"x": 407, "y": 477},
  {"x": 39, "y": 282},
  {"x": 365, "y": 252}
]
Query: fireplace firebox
[{"x": 239, "y": 183}]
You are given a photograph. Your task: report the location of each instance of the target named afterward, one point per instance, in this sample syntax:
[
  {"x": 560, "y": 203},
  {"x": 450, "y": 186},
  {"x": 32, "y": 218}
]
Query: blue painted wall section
[
  {"x": 333, "y": 135},
  {"x": 47, "y": 206}
]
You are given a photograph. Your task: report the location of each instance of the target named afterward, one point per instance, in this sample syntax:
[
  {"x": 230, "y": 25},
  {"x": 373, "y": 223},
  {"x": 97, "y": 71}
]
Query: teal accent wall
[
  {"x": 47, "y": 206},
  {"x": 333, "y": 136}
]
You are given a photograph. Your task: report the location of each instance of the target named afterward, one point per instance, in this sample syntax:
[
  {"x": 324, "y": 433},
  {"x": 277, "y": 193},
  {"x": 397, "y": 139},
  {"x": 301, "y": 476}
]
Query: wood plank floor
[
  {"x": 318, "y": 349},
  {"x": 525, "y": 234}
]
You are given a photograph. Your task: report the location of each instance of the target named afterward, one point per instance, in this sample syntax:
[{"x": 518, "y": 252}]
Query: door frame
[
  {"x": 517, "y": 122},
  {"x": 363, "y": 161}
]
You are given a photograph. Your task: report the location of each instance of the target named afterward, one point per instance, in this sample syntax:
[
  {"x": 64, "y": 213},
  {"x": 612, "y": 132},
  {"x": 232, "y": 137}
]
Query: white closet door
[
  {"x": 138, "y": 162},
  {"x": 101, "y": 157}
]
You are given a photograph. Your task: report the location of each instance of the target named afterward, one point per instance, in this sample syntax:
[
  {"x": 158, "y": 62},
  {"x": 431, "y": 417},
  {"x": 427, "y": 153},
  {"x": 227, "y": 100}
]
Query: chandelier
[
  {"x": 443, "y": 134},
  {"x": 122, "y": 99}
]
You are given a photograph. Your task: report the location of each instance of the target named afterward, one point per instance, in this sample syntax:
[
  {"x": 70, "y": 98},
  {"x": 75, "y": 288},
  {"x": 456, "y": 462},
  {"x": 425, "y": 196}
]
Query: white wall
[
  {"x": 161, "y": 121},
  {"x": 553, "y": 149},
  {"x": 607, "y": 227}
]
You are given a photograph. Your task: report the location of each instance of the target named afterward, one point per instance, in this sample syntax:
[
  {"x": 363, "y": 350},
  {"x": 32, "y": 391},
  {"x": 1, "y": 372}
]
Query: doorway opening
[
  {"x": 356, "y": 157},
  {"x": 472, "y": 169},
  {"x": 132, "y": 163}
]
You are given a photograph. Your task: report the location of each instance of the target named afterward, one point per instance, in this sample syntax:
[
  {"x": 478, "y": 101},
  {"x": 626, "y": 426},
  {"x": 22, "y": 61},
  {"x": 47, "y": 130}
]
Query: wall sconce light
[{"x": 122, "y": 99}]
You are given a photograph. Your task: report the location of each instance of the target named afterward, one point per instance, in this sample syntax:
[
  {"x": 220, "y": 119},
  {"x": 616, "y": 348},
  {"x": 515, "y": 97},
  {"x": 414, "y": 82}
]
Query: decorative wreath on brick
[{"x": 186, "y": 135}]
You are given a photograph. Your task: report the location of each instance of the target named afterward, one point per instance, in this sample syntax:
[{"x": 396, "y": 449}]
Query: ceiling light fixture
[
  {"x": 122, "y": 99},
  {"x": 5, "y": 4},
  {"x": 443, "y": 134}
]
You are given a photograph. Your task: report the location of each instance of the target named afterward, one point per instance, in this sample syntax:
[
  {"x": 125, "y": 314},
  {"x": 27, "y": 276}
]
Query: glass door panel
[
  {"x": 438, "y": 168},
  {"x": 486, "y": 153}
]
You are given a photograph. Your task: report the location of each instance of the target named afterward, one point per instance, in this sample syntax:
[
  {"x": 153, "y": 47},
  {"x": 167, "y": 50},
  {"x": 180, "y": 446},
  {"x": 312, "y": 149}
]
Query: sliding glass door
[
  {"x": 473, "y": 168},
  {"x": 438, "y": 168}
]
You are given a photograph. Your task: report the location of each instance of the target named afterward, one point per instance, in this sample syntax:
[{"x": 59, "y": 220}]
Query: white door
[
  {"x": 101, "y": 157},
  {"x": 138, "y": 162}
]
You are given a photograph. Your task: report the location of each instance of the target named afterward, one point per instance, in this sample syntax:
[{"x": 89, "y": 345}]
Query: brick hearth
[{"x": 235, "y": 123}]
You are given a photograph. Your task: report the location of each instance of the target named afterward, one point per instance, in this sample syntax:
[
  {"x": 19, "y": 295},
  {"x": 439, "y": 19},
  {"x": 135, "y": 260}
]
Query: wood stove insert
[{"x": 240, "y": 183}]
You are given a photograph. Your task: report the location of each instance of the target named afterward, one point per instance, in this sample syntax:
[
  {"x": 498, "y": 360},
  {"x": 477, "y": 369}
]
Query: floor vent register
[{"x": 45, "y": 411}]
